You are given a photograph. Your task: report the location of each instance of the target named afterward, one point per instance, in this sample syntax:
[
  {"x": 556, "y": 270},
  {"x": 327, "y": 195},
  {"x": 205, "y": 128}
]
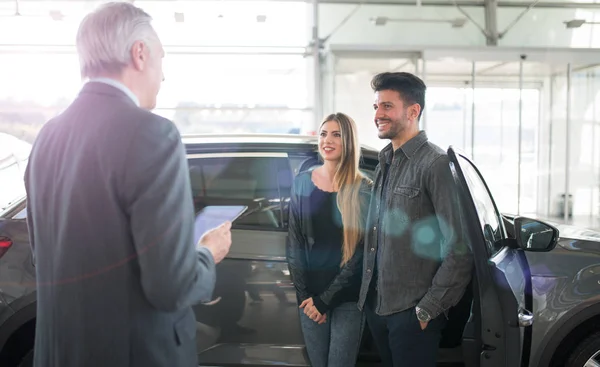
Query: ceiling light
[
  {"x": 455, "y": 22},
  {"x": 575, "y": 23},
  {"x": 458, "y": 22},
  {"x": 56, "y": 15},
  {"x": 379, "y": 20}
]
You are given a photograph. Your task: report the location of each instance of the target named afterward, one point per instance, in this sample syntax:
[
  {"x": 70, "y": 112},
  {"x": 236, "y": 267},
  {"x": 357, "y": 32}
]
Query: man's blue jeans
[
  {"x": 336, "y": 342},
  {"x": 401, "y": 341}
]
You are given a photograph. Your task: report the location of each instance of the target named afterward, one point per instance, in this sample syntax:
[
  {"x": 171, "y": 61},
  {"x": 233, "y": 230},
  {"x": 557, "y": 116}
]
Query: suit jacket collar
[{"x": 101, "y": 88}]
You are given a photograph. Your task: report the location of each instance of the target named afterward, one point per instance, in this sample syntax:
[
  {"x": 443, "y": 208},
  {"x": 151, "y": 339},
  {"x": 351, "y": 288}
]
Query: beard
[{"x": 395, "y": 128}]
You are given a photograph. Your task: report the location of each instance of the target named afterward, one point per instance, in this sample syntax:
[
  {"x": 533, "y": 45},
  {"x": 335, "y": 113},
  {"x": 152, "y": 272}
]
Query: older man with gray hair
[{"x": 111, "y": 216}]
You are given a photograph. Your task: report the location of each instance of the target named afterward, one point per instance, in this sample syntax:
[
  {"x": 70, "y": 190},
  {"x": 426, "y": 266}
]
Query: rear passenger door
[{"x": 254, "y": 316}]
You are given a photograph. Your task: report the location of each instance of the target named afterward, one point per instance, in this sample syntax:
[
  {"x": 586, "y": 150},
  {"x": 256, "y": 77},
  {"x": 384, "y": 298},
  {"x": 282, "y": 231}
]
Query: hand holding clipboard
[{"x": 212, "y": 229}]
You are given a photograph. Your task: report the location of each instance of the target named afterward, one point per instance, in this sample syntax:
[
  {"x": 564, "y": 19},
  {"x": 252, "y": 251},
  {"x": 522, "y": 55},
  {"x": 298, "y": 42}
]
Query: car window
[
  {"x": 303, "y": 162},
  {"x": 306, "y": 162},
  {"x": 11, "y": 177},
  {"x": 260, "y": 182},
  {"x": 14, "y": 154},
  {"x": 16, "y": 210},
  {"x": 489, "y": 217},
  {"x": 21, "y": 214},
  {"x": 367, "y": 167}
]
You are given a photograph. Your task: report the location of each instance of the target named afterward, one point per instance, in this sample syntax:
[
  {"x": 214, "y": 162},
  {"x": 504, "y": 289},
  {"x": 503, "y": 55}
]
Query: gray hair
[{"x": 105, "y": 38}]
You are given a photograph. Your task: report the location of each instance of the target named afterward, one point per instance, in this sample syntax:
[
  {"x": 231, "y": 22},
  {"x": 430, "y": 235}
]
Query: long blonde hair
[{"x": 347, "y": 180}]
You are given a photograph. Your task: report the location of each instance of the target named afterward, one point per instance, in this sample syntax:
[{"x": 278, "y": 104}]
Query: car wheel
[
  {"x": 587, "y": 354},
  {"x": 27, "y": 361}
]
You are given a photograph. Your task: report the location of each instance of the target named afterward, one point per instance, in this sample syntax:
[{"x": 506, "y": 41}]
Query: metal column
[
  {"x": 473, "y": 112},
  {"x": 464, "y": 106},
  {"x": 519, "y": 152},
  {"x": 540, "y": 128},
  {"x": 415, "y": 61},
  {"x": 568, "y": 145},
  {"x": 550, "y": 139},
  {"x": 501, "y": 128},
  {"x": 591, "y": 81},
  {"x": 490, "y": 11},
  {"x": 333, "y": 71},
  {"x": 590, "y": 94},
  {"x": 424, "y": 77},
  {"x": 316, "y": 54}
]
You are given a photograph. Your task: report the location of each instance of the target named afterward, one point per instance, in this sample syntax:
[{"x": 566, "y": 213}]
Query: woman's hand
[
  {"x": 321, "y": 319},
  {"x": 311, "y": 311},
  {"x": 307, "y": 303}
]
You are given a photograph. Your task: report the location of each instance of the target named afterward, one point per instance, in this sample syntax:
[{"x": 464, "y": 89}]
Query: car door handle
[{"x": 525, "y": 317}]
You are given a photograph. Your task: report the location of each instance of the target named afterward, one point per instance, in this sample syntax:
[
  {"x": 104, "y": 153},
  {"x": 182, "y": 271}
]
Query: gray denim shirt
[{"x": 414, "y": 240}]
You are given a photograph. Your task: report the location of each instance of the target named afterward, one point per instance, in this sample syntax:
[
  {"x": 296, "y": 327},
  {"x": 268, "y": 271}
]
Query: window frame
[
  {"x": 467, "y": 164},
  {"x": 13, "y": 209},
  {"x": 282, "y": 166},
  {"x": 367, "y": 165}
]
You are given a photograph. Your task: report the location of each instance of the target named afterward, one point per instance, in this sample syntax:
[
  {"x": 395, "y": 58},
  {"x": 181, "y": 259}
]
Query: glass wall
[
  {"x": 229, "y": 66},
  {"x": 573, "y": 150},
  {"x": 248, "y": 66},
  {"x": 510, "y": 116},
  {"x": 583, "y": 180},
  {"x": 352, "y": 93},
  {"x": 556, "y": 127},
  {"x": 236, "y": 93},
  {"x": 477, "y": 109}
]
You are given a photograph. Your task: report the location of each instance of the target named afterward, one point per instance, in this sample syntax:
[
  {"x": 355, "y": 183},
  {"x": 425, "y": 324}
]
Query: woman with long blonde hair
[{"x": 328, "y": 209}]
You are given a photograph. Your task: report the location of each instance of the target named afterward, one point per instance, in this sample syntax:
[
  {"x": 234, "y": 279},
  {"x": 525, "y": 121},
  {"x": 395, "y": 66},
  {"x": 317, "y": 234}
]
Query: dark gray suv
[{"x": 534, "y": 299}]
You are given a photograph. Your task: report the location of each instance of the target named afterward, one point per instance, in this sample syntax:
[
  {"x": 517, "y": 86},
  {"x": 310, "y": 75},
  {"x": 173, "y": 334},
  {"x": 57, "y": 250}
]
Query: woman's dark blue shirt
[{"x": 314, "y": 249}]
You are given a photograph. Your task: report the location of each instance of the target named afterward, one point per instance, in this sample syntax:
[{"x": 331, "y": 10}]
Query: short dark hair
[{"x": 410, "y": 87}]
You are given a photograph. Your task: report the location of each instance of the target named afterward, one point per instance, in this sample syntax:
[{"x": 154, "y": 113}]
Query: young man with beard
[{"x": 416, "y": 262}]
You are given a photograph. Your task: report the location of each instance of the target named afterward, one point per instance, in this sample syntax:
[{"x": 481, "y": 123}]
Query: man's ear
[
  {"x": 139, "y": 55},
  {"x": 413, "y": 111}
]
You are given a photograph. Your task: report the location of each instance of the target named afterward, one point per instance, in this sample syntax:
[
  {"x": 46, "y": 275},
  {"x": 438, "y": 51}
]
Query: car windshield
[{"x": 14, "y": 154}]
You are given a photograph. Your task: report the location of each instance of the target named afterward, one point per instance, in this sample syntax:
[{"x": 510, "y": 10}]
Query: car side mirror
[{"x": 533, "y": 235}]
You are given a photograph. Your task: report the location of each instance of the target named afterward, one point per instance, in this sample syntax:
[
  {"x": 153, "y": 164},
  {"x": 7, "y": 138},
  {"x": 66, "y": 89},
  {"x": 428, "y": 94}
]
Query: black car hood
[
  {"x": 577, "y": 238},
  {"x": 576, "y": 233},
  {"x": 567, "y": 233}
]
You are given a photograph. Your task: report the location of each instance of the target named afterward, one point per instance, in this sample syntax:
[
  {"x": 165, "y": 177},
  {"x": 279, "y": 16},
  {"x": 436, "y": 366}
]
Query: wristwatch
[{"x": 422, "y": 315}]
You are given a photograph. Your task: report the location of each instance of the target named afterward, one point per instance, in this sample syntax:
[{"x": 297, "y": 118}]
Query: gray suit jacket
[{"x": 111, "y": 217}]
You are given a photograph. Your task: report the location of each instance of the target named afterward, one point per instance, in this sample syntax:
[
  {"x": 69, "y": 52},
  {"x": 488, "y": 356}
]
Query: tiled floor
[
  {"x": 446, "y": 358},
  {"x": 365, "y": 364}
]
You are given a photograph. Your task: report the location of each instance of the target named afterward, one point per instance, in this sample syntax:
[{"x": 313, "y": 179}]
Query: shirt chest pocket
[{"x": 405, "y": 203}]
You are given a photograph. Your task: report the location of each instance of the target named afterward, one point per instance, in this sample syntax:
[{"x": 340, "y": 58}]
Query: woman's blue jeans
[{"x": 336, "y": 342}]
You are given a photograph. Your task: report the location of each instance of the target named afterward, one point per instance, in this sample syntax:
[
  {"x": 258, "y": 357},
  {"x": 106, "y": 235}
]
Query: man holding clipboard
[{"x": 110, "y": 215}]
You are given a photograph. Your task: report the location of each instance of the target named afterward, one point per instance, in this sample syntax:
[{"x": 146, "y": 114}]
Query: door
[
  {"x": 253, "y": 318},
  {"x": 502, "y": 272}
]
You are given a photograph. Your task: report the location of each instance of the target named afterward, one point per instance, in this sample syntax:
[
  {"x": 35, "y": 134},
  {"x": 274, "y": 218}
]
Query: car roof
[
  {"x": 248, "y": 138},
  {"x": 197, "y": 143}
]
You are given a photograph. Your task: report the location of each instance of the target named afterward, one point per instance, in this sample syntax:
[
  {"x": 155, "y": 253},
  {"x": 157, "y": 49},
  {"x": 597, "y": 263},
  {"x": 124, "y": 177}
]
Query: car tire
[
  {"x": 27, "y": 361},
  {"x": 588, "y": 348}
]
